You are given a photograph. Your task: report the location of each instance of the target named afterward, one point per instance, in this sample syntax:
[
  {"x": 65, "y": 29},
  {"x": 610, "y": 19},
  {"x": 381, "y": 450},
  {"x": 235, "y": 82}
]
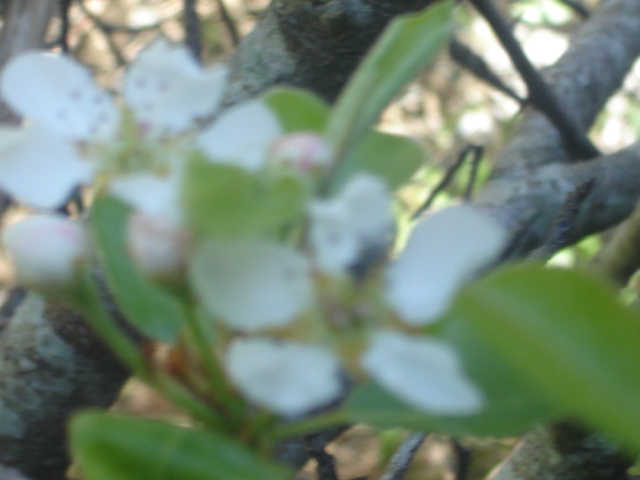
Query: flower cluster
[{"x": 304, "y": 287}]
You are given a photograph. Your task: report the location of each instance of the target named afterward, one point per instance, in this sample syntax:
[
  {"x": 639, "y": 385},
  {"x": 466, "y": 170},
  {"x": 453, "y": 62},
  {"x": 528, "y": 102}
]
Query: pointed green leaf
[
  {"x": 109, "y": 447},
  {"x": 408, "y": 44},
  {"x": 148, "y": 307},
  {"x": 297, "y": 110},
  {"x": 567, "y": 334},
  {"x": 393, "y": 158}
]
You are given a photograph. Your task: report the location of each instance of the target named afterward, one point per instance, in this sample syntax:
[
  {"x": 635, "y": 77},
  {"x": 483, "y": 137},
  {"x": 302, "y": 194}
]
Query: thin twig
[
  {"x": 64, "y": 24},
  {"x": 446, "y": 180},
  {"x": 192, "y": 28},
  {"x": 229, "y": 23},
  {"x": 477, "y": 151},
  {"x": 540, "y": 95},
  {"x": 462, "y": 459},
  {"x": 474, "y": 63},
  {"x": 108, "y": 28},
  {"x": 326, "y": 469},
  {"x": 577, "y": 7},
  {"x": 403, "y": 456},
  {"x": 559, "y": 234}
]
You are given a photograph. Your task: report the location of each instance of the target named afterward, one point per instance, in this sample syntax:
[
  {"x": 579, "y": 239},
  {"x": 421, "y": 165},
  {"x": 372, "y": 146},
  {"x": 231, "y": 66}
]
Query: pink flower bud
[
  {"x": 46, "y": 251},
  {"x": 305, "y": 152},
  {"x": 158, "y": 247}
]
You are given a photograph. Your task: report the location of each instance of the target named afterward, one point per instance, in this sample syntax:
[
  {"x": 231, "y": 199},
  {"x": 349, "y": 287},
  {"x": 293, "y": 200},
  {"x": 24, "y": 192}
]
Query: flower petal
[
  {"x": 241, "y": 136},
  {"x": 39, "y": 167},
  {"x": 168, "y": 90},
  {"x": 443, "y": 251},
  {"x": 60, "y": 93},
  {"x": 249, "y": 284},
  {"x": 158, "y": 247},
  {"x": 46, "y": 250},
  {"x": 423, "y": 372},
  {"x": 369, "y": 203},
  {"x": 153, "y": 195},
  {"x": 345, "y": 227},
  {"x": 289, "y": 378}
]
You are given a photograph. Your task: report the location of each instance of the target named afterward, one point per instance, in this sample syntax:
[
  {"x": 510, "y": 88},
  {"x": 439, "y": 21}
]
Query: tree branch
[{"x": 540, "y": 94}]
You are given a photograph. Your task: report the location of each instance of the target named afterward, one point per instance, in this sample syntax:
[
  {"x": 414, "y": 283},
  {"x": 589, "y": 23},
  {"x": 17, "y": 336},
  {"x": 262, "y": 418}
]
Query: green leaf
[
  {"x": 225, "y": 200},
  {"x": 393, "y": 158},
  {"x": 566, "y": 334},
  {"x": 408, "y": 45},
  {"x": 511, "y": 407},
  {"x": 109, "y": 447},
  {"x": 297, "y": 110},
  {"x": 148, "y": 307}
]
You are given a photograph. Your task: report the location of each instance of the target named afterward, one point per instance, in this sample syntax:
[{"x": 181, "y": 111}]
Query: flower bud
[
  {"x": 158, "y": 247},
  {"x": 46, "y": 251},
  {"x": 305, "y": 152}
]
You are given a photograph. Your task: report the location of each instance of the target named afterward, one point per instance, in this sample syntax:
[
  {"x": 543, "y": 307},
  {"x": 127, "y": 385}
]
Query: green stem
[{"x": 219, "y": 386}]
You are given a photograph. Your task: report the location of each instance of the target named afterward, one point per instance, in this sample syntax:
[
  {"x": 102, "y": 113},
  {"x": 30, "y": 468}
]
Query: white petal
[
  {"x": 342, "y": 228},
  {"x": 158, "y": 246},
  {"x": 423, "y": 372},
  {"x": 151, "y": 194},
  {"x": 251, "y": 285},
  {"x": 241, "y": 136},
  {"x": 46, "y": 250},
  {"x": 168, "y": 90},
  {"x": 332, "y": 237},
  {"x": 305, "y": 152},
  {"x": 369, "y": 204},
  {"x": 60, "y": 93},
  {"x": 40, "y": 168},
  {"x": 443, "y": 251},
  {"x": 289, "y": 378}
]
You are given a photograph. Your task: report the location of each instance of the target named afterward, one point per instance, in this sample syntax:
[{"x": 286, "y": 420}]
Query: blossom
[
  {"x": 157, "y": 246},
  {"x": 422, "y": 371},
  {"x": 443, "y": 251},
  {"x": 251, "y": 284},
  {"x": 46, "y": 251},
  {"x": 289, "y": 378},
  {"x": 343, "y": 227},
  {"x": 73, "y": 128},
  {"x": 241, "y": 136}
]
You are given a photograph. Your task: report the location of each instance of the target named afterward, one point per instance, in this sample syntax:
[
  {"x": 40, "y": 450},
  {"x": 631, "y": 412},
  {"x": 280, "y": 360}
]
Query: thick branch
[
  {"x": 313, "y": 45},
  {"x": 530, "y": 182},
  {"x": 51, "y": 364},
  {"x": 563, "y": 451},
  {"x": 591, "y": 70}
]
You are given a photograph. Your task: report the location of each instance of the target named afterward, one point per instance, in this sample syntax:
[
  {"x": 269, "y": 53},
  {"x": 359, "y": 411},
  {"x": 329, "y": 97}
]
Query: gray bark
[{"x": 51, "y": 365}]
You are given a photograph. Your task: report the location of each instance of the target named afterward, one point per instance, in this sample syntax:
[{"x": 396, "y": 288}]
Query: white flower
[
  {"x": 251, "y": 284},
  {"x": 443, "y": 251},
  {"x": 423, "y": 372},
  {"x": 168, "y": 90},
  {"x": 60, "y": 94},
  {"x": 68, "y": 116},
  {"x": 241, "y": 136},
  {"x": 158, "y": 247},
  {"x": 46, "y": 251},
  {"x": 342, "y": 228},
  {"x": 289, "y": 378}
]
